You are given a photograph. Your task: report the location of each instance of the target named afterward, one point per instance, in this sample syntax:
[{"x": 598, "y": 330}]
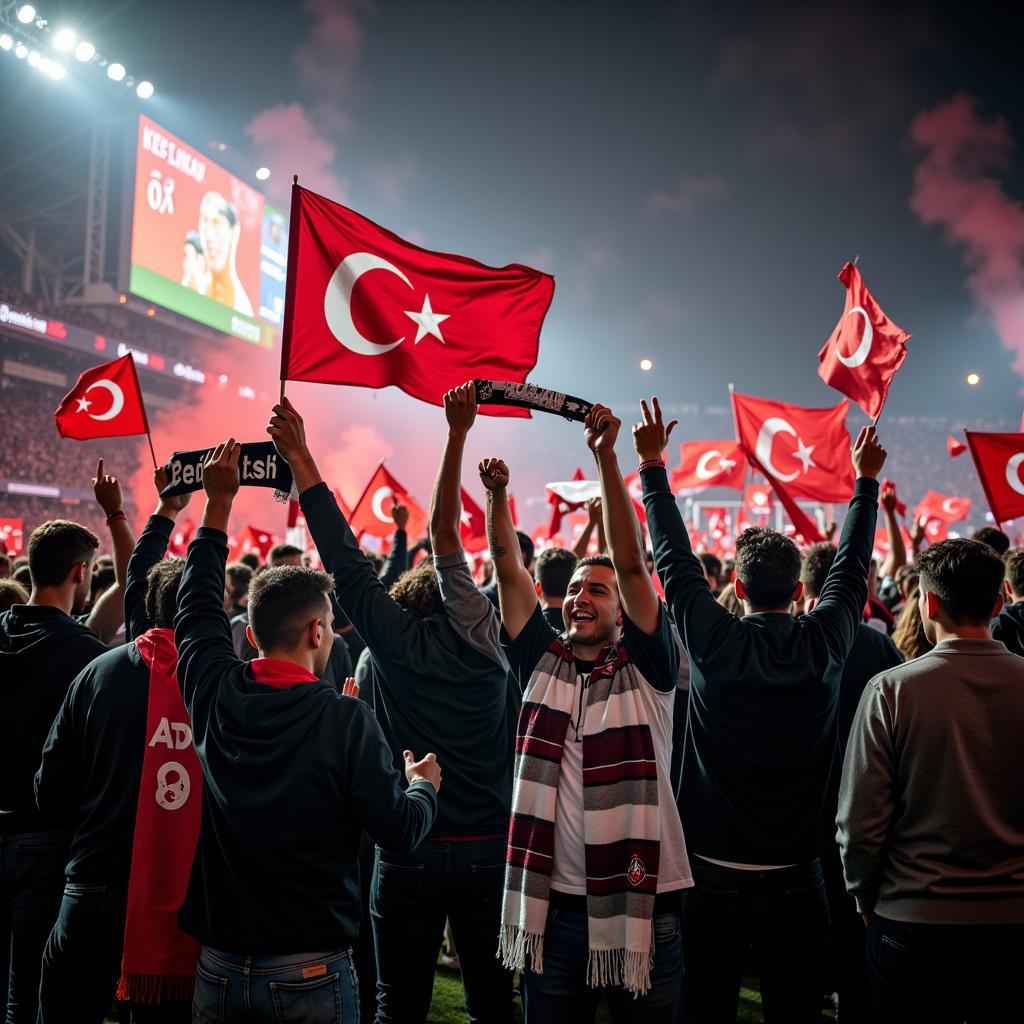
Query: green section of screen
[{"x": 174, "y": 297}]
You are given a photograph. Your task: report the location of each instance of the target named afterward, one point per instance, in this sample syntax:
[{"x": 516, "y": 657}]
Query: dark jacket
[
  {"x": 1008, "y": 628},
  {"x": 41, "y": 652},
  {"x": 764, "y": 691},
  {"x": 291, "y": 776}
]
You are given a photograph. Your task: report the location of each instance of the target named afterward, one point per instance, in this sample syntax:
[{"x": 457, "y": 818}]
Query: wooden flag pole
[
  {"x": 149, "y": 438},
  {"x": 280, "y": 397}
]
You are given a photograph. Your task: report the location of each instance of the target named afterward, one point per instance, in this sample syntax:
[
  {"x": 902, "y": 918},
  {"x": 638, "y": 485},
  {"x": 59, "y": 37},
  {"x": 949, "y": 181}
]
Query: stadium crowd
[{"x": 246, "y": 792}]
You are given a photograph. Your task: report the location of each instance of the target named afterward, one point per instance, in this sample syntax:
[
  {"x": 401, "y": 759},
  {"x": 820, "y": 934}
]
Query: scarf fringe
[
  {"x": 515, "y": 945},
  {"x": 156, "y": 988},
  {"x": 614, "y": 967}
]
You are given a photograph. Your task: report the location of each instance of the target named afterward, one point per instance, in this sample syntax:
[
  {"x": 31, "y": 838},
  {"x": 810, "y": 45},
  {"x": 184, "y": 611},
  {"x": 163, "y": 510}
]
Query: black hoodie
[
  {"x": 1009, "y": 628},
  {"x": 41, "y": 652}
]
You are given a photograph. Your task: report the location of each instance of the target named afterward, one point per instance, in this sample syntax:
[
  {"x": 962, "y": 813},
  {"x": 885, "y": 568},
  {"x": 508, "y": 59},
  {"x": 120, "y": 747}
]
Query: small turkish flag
[
  {"x": 888, "y": 487},
  {"x": 998, "y": 459},
  {"x": 106, "y": 401},
  {"x": 955, "y": 447},
  {"x": 947, "y": 507},
  {"x": 181, "y": 538},
  {"x": 252, "y": 538},
  {"x": 565, "y": 496},
  {"x": 12, "y": 536},
  {"x": 935, "y": 529},
  {"x": 866, "y": 348},
  {"x": 757, "y": 498},
  {"x": 704, "y": 464},
  {"x": 473, "y": 525},
  {"x": 372, "y": 512},
  {"x": 364, "y": 307}
]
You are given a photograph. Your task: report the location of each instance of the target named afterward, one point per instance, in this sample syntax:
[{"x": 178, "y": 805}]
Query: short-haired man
[
  {"x": 1008, "y": 626},
  {"x": 596, "y": 859},
  {"x": 99, "y": 756},
  {"x": 760, "y": 743},
  {"x": 994, "y": 538},
  {"x": 292, "y": 773},
  {"x": 6, "y": 566},
  {"x": 552, "y": 571},
  {"x": 237, "y": 577},
  {"x": 712, "y": 566},
  {"x": 931, "y": 809},
  {"x": 284, "y": 554}
]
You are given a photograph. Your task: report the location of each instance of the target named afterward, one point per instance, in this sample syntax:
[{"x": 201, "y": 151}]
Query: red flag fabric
[
  {"x": 704, "y": 464},
  {"x": 757, "y": 499},
  {"x": 998, "y": 459},
  {"x": 635, "y": 486},
  {"x": 372, "y": 512},
  {"x": 948, "y": 507},
  {"x": 12, "y": 536},
  {"x": 106, "y": 401},
  {"x": 888, "y": 485},
  {"x": 512, "y": 509},
  {"x": 473, "y": 525},
  {"x": 181, "y": 538},
  {"x": 252, "y": 538},
  {"x": 866, "y": 348},
  {"x": 935, "y": 530},
  {"x": 565, "y": 496},
  {"x": 955, "y": 447},
  {"x": 365, "y": 307}
]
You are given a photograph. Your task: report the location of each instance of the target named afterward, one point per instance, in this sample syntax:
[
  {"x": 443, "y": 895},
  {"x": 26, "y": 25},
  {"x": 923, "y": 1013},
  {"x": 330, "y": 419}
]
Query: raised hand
[
  {"x": 868, "y": 455},
  {"x": 650, "y": 436},
  {"x": 107, "y": 491},
  {"x": 288, "y": 432},
  {"x": 350, "y": 688},
  {"x": 220, "y": 472},
  {"x": 888, "y": 497},
  {"x": 494, "y": 474},
  {"x": 427, "y": 769},
  {"x": 600, "y": 429},
  {"x": 170, "y": 505},
  {"x": 460, "y": 408},
  {"x": 593, "y": 511},
  {"x": 399, "y": 514}
]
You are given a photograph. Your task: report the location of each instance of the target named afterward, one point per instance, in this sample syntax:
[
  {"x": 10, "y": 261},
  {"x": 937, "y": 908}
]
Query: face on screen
[{"x": 217, "y": 233}]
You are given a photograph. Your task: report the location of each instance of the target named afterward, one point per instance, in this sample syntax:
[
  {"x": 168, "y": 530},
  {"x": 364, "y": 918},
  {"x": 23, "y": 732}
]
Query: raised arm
[
  {"x": 897, "y": 548},
  {"x": 594, "y": 521},
  {"x": 621, "y": 529},
  {"x": 446, "y": 501},
  {"x": 517, "y": 597},
  {"x": 108, "y": 612},
  {"x": 149, "y": 549},
  {"x": 397, "y": 561}
]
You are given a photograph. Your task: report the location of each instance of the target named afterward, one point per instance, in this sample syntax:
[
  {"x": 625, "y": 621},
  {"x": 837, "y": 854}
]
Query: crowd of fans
[{"x": 268, "y": 791}]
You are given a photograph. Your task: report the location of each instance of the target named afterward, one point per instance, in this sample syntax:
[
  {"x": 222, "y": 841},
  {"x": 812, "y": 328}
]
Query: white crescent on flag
[
  {"x": 763, "y": 448},
  {"x": 863, "y": 350},
  {"x": 116, "y": 399},
  {"x": 377, "y": 503},
  {"x": 1013, "y": 472}
]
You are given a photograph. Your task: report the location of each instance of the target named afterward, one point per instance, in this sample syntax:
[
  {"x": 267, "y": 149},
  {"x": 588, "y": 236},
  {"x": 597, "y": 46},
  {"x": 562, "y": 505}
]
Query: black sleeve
[
  {"x": 149, "y": 549},
  {"x": 397, "y": 561},
  {"x": 656, "y": 656},
  {"x": 840, "y": 605},
  {"x": 58, "y": 781},
  {"x": 526, "y": 650}
]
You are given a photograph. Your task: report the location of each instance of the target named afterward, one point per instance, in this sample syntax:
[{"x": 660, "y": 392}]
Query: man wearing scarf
[{"x": 596, "y": 861}]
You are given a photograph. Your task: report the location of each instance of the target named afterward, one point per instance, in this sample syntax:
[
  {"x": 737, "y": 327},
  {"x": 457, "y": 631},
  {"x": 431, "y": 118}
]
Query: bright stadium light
[
  {"x": 6, "y": 42},
  {"x": 34, "y": 59},
  {"x": 44, "y": 65},
  {"x": 115, "y": 72},
  {"x": 64, "y": 40},
  {"x": 26, "y": 14},
  {"x": 56, "y": 71},
  {"x": 144, "y": 90},
  {"x": 262, "y": 173},
  {"x": 21, "y": 51},
  {"x": 85, "y": 51}
]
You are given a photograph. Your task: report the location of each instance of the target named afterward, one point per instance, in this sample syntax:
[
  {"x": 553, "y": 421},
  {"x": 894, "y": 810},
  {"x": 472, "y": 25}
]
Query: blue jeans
[
  {"x": 412, "y": 894},
  {"x": 781, "y": 916},
  {"x": 561, "y": 994},
  {"x": 944, "y": 973},
  {"x": 303, "y": 988},
  {"x": 31, "y": 881}
]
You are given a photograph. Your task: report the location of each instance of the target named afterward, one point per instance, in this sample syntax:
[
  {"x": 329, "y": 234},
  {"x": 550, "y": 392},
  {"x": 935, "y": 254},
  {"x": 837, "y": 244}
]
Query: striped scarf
[{"x": 621, "y": 823}]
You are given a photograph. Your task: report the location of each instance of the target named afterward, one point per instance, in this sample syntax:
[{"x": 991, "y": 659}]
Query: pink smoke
[{"x": 955, "y": 188}]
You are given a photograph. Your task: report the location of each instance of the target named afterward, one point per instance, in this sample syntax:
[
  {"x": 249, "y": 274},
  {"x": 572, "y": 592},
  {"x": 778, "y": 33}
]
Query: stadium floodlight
[
  {"x": 56, "y": 71},
  {"x": 85, "y": 51},
  {"x": 34, "y": 59},
  {"x": 26, "y": 14},
  {"x": 144, "y": 90},
  {"x": 21, "y": 51},
  {"x": 44, "y": 65},
  {"x": 262, "y": 173},
  {"x": 115, "y": 72},
  {"x": 6, "y": 42},
  {"x": 64, "y": 40}
]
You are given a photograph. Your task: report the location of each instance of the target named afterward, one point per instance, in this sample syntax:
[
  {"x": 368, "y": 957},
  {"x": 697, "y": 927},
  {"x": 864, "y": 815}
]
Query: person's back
[{"x": 1008, "y": 625}]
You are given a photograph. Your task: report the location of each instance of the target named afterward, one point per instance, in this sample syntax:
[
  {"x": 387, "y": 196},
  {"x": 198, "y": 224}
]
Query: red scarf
[{"x": 159, "y": 961}]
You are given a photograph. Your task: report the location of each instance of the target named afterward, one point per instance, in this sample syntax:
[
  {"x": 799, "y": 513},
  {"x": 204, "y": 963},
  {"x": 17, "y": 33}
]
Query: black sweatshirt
[
  {"x": 431, "y": 689},
  {"x": 761, "y": 736},
  {"x": 291, "y": 776},
  {"x": 92, "y": 761},
  {"x": 1008, "y": 628},
  {"x": 41, "y": 652}
]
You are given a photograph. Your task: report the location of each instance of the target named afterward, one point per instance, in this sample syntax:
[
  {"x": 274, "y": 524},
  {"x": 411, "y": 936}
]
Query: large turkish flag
[
  {"x": 365, "y": 307},
  {"x": 106, "y": 401},
  {"x": 998, "y": 459},
  {"x": 866, "y": 348},
  {"x": 372, "y": 512},
  {"x": 704, "y": 464},
  {"x": 950, "y": 508}
]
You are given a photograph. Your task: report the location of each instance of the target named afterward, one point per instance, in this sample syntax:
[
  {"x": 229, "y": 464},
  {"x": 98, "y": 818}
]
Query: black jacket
[
  {"x": 1009, "y": 628},
  {"x": 291, "y": 776}
]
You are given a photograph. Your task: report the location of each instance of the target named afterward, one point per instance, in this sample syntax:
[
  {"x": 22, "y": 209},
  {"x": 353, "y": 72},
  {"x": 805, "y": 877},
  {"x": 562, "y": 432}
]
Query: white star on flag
[
  {"x": 427, "y": 321},
  {"x": 726, "y": 464},
  {"x": 803, "y": 453},
  {"x": 83, "y": 404},
  {"x": 465, "y": 518}
]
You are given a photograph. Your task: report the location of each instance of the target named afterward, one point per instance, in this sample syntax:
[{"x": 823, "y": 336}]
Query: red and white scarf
[
  {"x": 159, "y": 962},
  {"x": 621, "y": 820}
]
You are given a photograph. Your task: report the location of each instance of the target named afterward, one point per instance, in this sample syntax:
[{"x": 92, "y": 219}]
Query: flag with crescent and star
[
  {"x": 999, "y": 460},
  {"x": 866, "y": 348},
  {"x": 704, "y": 464},
  {"x": 106, "y": 401},
  {"x": 372, "y": 512},
  {"x": 364, "y": 307},
  {"x": 949, "y": 508},
  {"x": 472, "y": 525}
]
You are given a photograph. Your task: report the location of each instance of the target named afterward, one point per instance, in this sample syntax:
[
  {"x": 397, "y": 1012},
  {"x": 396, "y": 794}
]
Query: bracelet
[
  {"x": 114, "y": 516},
  {"x": 650, "y": 464}
]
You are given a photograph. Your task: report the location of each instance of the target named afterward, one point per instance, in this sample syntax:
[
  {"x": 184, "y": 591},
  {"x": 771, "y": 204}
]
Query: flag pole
[
  {"x": 289, "y": 291},
  {"x": 149, "y": 438}
]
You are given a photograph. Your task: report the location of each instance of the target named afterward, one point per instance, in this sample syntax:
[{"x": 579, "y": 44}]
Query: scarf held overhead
[{"x": 621, "y": 820}]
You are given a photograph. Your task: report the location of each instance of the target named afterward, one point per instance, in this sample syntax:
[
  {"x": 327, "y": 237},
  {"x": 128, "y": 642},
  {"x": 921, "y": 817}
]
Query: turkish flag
[
  {"x": 635, "y": 487},
  {"x": 12, "y": 536},
  {"x": 106, "y": 401},
  {"x": 704, "y": 464},
  {"x": 935, "y": 530},
  {"x": 947, "y": 507},
  {"x": 889, "y": 487},
  {"x": 473, "y": 525},
  {"x": 565, "y": 496},
  {"x": 882, "y": 547},
  {"x": 719, "y": 523},
  {"x": 998, "y": 459},
  {"x": 757, "y": 499},
  {"x": 372, "y": 512},
  {"x": 252, "y": 538},
  {"x": 365, "y": 307},
  {"x": 955, "y": 447},
  {"x": 181, "y": 538},
  {"x": 866, "y": 348}
]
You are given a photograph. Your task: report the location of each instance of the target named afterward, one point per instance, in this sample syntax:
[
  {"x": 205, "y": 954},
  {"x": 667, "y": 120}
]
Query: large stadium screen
[{"x": 205, "y": 244}]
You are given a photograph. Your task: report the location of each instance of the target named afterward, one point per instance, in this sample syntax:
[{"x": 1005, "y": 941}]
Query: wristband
[
  {"x": 114, "y": 516},
  {"x": 650, "y": 464}
]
